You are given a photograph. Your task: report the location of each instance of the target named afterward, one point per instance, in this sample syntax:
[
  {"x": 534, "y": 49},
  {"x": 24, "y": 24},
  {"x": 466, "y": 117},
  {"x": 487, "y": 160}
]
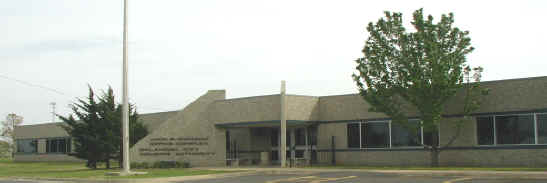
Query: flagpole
[{"x": 125, "y": 105}]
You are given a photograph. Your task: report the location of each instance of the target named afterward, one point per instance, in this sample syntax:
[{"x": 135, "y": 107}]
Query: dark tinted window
[
  {"x": 542, "y": 128},
  {"x": 312, "y": 135},
  {"x": 299, "y": 154},
  {"x": 353, "y": 135},
  {"x": 428, "y": 138},
  {"x": 515, "y": 129},
  {"x": 485, "y": 130},
  {"x": 275, "y": 155},
  {"x": 300, "y": 137},
  {"x": 27, "y": 146},
  {"x": 376, "y": 135},
  {"x": 62, "y": 145},
  {"x": 274, "y": 137},
  {"x": 406, "y": 135},
  {"x": 53, "y": 145}
]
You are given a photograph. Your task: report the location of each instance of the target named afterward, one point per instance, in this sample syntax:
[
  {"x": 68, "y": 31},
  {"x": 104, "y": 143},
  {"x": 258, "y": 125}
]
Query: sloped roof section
[
  {"x": 48, "y": 130},
  {"x": 153, "y": 120}
]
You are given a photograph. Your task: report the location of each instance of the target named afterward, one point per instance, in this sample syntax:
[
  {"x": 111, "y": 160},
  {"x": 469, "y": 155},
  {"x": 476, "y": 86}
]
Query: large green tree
[
  {"x": 421, "y": 69},
  {"x": 95, "y": 127}
]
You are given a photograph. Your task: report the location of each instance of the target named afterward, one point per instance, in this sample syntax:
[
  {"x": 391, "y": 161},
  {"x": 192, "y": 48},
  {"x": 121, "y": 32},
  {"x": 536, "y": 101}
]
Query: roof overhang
[{"x": 256, "y": 124}]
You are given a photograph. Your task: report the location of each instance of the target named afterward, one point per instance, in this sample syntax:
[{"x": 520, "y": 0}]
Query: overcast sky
[{"x": 51, "y": 49}]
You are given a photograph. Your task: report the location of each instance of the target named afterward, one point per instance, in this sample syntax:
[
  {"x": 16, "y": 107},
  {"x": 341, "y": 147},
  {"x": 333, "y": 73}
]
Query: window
[
  {"x": 275, "y": 155},
  {"x": 512, "y": 129},
  {"x": 27, "y": 146},
  {"x": 542, "y": 128},
  {"x": 353, "y": 135},
  {"x": 299, "y": 153},
  {"x": 312, "y": 135},
  {"x": 376, "y": 134},
  {"x": 58, "y": 145},
  {"x": 515, "y": 129},
  {"x": 300, "y": 137},
  {"x": 402, "y": 136},
  {"x": 384, "y": 134},
  {"x": 485, "y": 132},
  {"x": 428, "y": 138},
  {"x": 274, "y": 137}
]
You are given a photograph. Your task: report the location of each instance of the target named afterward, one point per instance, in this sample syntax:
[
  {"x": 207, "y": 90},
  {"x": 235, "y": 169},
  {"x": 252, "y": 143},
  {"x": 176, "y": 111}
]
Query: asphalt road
[
  {"x": 333, "y": 177},
  {"x": 354, "y": 177}
]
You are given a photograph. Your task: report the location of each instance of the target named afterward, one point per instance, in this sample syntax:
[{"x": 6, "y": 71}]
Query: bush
[
  {"x": 145, "y": 165},
  {"x": 134, "y": 165},
  {"x": 138, "y": 165},
  {"x": 179, "y": 164},
  {"x": 166, "y": 164}
]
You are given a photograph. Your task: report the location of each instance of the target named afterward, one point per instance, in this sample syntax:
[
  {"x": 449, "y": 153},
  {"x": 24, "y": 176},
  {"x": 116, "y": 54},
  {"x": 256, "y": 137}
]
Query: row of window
[
  {"x": 59, "y": 145},
  {"x": 512, "y": 129},
  {"x": 299, "y": 134},
  {"x": 385, "y": 134},
  {"x": 62, "y": 145}
]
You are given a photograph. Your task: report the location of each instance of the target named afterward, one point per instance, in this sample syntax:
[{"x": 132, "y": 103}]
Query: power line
[{"x": 33, "y": 85}]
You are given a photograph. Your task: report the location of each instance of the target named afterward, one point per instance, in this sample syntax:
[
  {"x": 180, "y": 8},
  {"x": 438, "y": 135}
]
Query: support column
[
  {"x": 292, "y": 145},
  {"x": 307, "y": 151},
  {"x": 283, "y": 130}
]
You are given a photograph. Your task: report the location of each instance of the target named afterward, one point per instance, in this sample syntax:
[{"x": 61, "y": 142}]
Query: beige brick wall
[
  {"x": 153, "y": 120},
  {"x": 261, "y": 108},
  {"x": 495, "y": 157},
  {"x": 325, "y": 133},
  {"x": 46, "y": 157},
  {"x": 508, "y": 95},
  {"x": 192, "y": 122},
  {"x": 305, "y": 108}
]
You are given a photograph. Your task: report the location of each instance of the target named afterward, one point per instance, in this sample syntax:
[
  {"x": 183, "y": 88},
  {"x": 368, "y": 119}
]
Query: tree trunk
[
  {"x": 120, "y": 158},
  {"x": 107, "y": 163},
  {"x": 434, "y": 157},
  {"x": 435, "y": 151},
  {"x": 92, "y": 164}
]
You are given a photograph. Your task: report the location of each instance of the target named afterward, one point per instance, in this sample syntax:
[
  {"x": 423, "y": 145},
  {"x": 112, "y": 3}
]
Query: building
[{"x": 509, "y": 129}]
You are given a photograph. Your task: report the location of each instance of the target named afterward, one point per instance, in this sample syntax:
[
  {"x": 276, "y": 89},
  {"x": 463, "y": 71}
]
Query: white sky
[{"x": 181, "y": 49}]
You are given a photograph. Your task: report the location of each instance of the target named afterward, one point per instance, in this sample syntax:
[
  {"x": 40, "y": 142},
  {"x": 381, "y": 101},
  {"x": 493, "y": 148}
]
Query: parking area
[
  {"x": 354, "y": 177},
  {"x": 330, "y": 176}
]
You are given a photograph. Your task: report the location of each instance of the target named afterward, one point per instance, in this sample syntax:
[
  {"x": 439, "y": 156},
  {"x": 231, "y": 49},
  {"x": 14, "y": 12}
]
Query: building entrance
[{"x": 301, "y": 145}]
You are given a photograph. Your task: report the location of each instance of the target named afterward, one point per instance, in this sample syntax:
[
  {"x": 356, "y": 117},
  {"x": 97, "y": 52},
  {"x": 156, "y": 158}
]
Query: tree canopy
[
  {"x": 7, "y": 132},
  {"x": 424, "y": 68},
  {"x": 95, "y": 127}
]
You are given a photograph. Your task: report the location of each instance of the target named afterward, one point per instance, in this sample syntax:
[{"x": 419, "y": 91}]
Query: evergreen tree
[{"x": 95, "y": 127}]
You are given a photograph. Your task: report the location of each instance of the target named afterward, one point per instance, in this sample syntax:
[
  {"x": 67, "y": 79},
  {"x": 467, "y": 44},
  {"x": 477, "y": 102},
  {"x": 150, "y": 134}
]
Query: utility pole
[{"x": 125, "y": 105}]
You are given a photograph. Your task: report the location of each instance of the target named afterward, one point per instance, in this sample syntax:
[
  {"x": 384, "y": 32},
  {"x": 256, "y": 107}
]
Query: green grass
[
  {"x": 436, "y": 168},
  {"x": 9, "y": 168}
]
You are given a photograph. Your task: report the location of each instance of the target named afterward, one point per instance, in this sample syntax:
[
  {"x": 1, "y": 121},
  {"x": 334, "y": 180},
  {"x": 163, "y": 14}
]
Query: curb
[{"x": 139, "y": 180}]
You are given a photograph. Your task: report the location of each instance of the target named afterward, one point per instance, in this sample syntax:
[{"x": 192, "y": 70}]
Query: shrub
[
  {"x": 145, "y": 165},
  {"x": 166, "y": 164}
]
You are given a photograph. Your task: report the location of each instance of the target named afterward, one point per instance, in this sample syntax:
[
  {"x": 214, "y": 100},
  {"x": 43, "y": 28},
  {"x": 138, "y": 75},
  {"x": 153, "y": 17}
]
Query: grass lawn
[
  {"x": 436, "y": 168},
  {"x": 9, "y": 168}
]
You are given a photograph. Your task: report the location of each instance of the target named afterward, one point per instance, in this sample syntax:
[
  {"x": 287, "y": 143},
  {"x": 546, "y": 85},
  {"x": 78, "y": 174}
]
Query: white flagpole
[{"x": 125, "y": 105}]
